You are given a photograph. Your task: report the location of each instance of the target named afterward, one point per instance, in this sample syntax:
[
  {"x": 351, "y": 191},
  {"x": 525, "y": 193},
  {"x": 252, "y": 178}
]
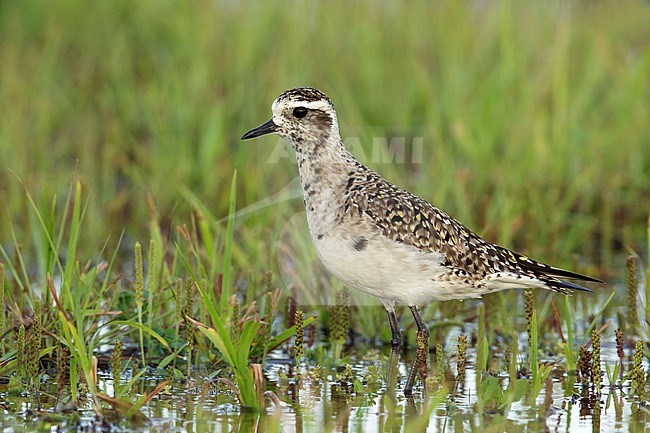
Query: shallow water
[{"x": 308, "y": 404}]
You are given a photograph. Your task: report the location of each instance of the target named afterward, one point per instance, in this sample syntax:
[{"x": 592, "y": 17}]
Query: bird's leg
[
  {"x": 420, "y": 361},
  {"x": 413, "y": 371},
  {"x": 410, "y": 380},
  {"x": 422, "y": 327},
  {"x": 419, "y": 365},
  {"x": 396, "y": 333}
]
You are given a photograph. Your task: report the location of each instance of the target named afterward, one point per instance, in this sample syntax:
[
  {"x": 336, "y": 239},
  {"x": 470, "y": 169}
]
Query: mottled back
[{"x": 404, "y": 217}]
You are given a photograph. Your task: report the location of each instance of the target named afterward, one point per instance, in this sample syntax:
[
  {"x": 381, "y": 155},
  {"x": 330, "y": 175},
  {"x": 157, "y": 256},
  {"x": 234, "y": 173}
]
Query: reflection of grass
[{"x": 538, "y": 372}]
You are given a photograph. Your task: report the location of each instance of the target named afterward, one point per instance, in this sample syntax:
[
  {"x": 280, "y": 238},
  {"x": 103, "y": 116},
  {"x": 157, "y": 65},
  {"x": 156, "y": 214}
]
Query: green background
[{"x": 533, "y": 115}]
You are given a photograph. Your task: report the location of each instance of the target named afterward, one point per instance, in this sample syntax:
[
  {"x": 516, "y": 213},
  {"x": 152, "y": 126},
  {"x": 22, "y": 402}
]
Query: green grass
[{"x": 121, "y": 126}]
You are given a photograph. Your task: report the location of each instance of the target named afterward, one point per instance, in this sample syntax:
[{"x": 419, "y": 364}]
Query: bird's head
[{"x": 303, "y": 116}]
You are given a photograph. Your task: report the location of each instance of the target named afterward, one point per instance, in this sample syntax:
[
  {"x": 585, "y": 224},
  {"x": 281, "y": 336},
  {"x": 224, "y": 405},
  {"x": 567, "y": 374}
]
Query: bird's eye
[{"x": 299, "y": 112}]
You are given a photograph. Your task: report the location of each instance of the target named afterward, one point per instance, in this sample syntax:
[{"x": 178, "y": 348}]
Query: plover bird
[{"x": 383, "y": 240}]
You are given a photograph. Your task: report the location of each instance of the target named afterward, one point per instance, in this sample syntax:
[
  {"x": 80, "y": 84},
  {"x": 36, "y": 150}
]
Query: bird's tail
[{"x": 561, "y": 286}]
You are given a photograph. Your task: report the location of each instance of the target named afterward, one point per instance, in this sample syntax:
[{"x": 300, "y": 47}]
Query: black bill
[{"x": 265, "y": 128}]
